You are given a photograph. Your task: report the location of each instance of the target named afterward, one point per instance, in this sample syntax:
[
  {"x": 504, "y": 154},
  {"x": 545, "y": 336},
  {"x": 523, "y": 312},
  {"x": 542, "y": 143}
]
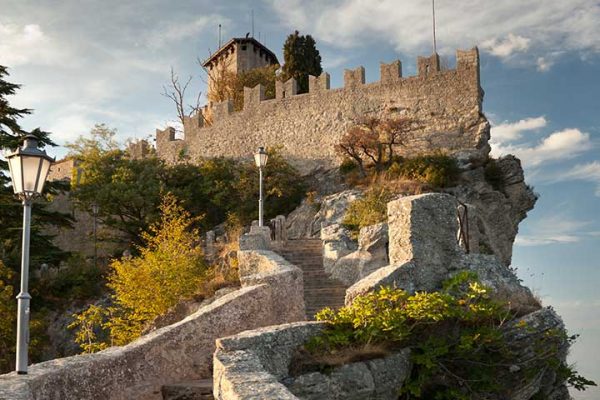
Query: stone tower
[{"x": 235, "y": 56}]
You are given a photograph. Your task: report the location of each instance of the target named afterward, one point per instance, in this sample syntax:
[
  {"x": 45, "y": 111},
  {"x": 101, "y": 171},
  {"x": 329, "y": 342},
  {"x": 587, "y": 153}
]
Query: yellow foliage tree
[{"x": 169, "y": 268}]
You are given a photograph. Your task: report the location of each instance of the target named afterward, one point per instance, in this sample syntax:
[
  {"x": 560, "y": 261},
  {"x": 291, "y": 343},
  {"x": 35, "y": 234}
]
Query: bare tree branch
[{"x": 175, "y": 91}]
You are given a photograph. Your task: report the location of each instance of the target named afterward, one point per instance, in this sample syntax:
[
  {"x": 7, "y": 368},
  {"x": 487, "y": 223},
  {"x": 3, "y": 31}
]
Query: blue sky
[{"x": 83, "y": 62}]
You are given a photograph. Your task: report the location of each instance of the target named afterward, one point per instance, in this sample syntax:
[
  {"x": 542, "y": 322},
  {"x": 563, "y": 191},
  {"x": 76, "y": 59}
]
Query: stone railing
[
  {"x": 271, "y": 294},
  {"x": 255, "y": 365}
]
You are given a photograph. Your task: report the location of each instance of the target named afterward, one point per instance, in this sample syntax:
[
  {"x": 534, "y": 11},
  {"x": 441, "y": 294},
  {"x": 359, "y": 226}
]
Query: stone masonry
[{"x": 445, "y": 104}]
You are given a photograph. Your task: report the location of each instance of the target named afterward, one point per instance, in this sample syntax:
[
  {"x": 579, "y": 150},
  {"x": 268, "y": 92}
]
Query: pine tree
[
  {"x": 11, "y": 133},
  {"x": 301, "y": 59}
]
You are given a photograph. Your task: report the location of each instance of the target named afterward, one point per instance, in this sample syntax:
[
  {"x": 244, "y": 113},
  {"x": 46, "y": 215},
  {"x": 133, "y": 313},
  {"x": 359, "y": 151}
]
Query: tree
[
  {"x": 11, "y": 134},
  {"x": 374, "y": 140},
  {"x": 170, "y": 268},
  {"x": 227, "y": 85},
  {"x": 301, "y": 59},
  {"x": 284, "y": 188},
  {"x": 265, "y": 76},
  {"x": 176, "y": 92},
  {"x": 100, "y": 140},
  {"x": 127, "y": 191}
]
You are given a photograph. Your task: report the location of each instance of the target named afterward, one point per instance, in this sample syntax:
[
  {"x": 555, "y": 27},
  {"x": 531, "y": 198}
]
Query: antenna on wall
[
  {"x": 433, "y": 15},
  {"x": 252, "y": 12},
  {"x": 219, "y": 36}
]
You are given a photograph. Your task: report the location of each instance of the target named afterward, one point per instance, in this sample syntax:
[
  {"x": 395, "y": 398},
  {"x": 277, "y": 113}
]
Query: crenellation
[
  {"x": 196, "y": 120},
  {"x": 286, "y": 89},
  {"x": 308, "y": 127},
  {"x": 390, "y": 73},
  {"x": 222, "y": 110},
  {"x": 253, "y": 96},
  {"x": 467, "y": 59},
  {"x": 354, "y": 77},
  {"x": 317, "y": 84},
  {"x": 165, "y": 135},
  {"x": 428, "y": 65}
]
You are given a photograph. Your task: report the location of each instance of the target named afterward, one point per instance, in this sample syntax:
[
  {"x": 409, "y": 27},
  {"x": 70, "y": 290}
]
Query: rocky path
[{"x": 319, "y": 290}]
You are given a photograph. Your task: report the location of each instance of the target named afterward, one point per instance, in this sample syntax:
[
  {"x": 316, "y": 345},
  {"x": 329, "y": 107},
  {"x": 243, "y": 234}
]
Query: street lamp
[
  {"x": 260, "y": 158},
  {"x": 95, "y": 209},
  {"x": 29, "y": 167}
]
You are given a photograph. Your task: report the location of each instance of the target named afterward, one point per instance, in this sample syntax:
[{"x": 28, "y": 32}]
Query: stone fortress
[
  {"x": 424, "y": 241},
  {"x": 447, "y": 103}
]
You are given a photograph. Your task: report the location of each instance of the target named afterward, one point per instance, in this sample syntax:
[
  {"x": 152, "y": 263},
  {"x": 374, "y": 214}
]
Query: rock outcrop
[
  {"x": 372, "y": 254},
  {"x": 499, "y": 210},
  {"x": 424, "y": 252}
]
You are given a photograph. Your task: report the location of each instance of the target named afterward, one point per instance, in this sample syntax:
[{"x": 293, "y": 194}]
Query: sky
[{"x": 86, "y": 62}]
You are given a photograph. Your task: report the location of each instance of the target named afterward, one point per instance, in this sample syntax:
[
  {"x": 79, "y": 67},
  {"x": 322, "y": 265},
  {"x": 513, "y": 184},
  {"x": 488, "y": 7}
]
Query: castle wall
[{"x": 446, "y": 104}]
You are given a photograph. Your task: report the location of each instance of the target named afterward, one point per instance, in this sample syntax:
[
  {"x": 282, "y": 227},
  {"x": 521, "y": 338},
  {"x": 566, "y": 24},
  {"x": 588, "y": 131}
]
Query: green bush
[
  {"x": 370, "y": 210},
  {"x": 493, "y": 174},
  {"x": 437, "y": 169},
  {"x": 458, "y": 347},
  {"x": 347, "y": 166}
]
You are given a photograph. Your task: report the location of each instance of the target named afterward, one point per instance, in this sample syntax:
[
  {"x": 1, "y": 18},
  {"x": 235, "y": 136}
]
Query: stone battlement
[{"x": 447, "y": 103}]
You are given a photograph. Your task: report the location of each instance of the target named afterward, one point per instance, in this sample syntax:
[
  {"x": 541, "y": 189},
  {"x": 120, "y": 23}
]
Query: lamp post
[
  {"x": 95, "y": 209},
  {"x": 260, "y": 158},
  {"x": 29, "y": 167}
]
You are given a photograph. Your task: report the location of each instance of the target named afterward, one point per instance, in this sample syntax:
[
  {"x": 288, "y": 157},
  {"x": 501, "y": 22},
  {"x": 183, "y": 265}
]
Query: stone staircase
[
  {"x": 319, "y": 290},
  {"x": 201, "y": 389}
]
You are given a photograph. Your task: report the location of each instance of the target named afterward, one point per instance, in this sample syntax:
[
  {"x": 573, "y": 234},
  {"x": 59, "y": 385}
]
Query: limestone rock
[
  {"x": 355, "y": 266},
  {"x": 336, "y": 244},
  {"x": 274, "y": 346},
  {"x": 373, "y": 238},
  {"x": 378, "y": 379},
  {"x": 312, "y": 386},
  {"x": 499, "y": 211},
  {"x": 310, "y": 217},
  {"x": 333, "y": 208},
  {"x": 422, "y": 229},
  {"x": 371, "y": 255},
  {"x": 259, "y": 238},
  {"x": 503, "y": 282},
  {"x": 353, "y": 381},
  {"x": 299, "y": 223},
  {"x": 389, "y": 374}
]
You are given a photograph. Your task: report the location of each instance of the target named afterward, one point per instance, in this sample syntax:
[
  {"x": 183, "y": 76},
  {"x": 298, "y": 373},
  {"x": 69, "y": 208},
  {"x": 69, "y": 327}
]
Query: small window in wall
[{"x": 244, "y": 47}]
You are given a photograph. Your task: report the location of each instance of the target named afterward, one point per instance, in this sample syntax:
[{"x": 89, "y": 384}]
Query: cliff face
[{"x": 499, "y": 210}]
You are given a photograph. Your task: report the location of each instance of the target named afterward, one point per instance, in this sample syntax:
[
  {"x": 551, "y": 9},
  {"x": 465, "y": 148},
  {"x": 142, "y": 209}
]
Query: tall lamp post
[
  {"x": 29, "y": 167},
  {"x": 260, "y": 158}
]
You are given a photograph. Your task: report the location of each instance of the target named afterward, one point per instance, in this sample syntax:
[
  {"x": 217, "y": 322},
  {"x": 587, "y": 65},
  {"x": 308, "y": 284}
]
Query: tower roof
[{"x": 213, "y": 57}]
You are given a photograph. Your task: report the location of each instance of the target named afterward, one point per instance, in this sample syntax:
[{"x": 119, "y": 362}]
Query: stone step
[
  {"x": 201, "y": 389},
  {"x": 319, "y": 290}
]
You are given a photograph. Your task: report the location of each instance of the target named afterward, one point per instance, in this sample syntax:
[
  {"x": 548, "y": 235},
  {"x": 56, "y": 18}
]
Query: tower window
[{"x": 244, "y": 47}]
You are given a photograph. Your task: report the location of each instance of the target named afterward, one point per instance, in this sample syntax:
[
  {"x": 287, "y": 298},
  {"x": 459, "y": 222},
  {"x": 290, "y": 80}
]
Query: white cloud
[
  {"x": 508, "y": 27},
  {"x": 28, "y": 44},
  {"x": 589, "y": 172},
  {"x": 506, "y": 47},
  {"x": 561, "y": 145},
  {"x": 509, "y": 131},
  {"x": 184, "y": 29},
  {"x": 544, "y": 64},
  {"x": 554, "y": 230}
]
